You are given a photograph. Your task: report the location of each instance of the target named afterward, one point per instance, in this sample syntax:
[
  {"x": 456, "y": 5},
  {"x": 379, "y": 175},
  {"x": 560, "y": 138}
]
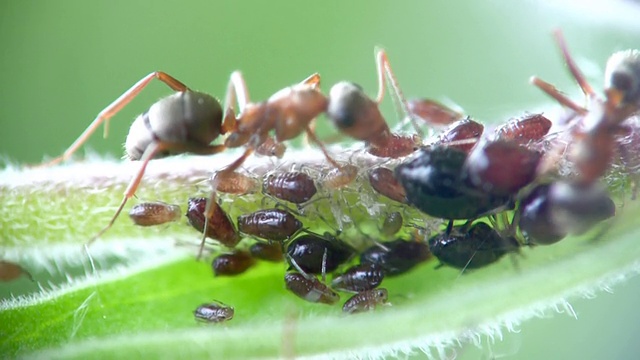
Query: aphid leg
[
  {"x": 314, "y": 81},
  {"x": 385, "y": 73},
  {"x": 557, "y": 95},
  {"x": 312, "y": 136},
  {"x": 575, "y": 71},
  {"x": 324, "y": 266},
  {"x": 113, "y": 108},
  {"x": 149, "y": 153}
]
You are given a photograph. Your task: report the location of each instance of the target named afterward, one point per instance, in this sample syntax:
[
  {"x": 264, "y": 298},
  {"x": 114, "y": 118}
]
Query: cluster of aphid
[{"x": 496, "y": 191}]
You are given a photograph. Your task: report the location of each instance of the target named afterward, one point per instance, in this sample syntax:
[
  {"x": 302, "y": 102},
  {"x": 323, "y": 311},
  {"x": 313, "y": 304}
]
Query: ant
[
  {"x": 359, "y": 116},
  {"x": 595, "y": 133}
]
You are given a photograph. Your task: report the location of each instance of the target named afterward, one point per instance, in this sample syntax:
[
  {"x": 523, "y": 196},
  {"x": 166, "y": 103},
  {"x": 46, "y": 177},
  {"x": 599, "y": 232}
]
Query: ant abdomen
[
  {"x": 355, "y": 114},
  {"x": 199, "y": 116}
]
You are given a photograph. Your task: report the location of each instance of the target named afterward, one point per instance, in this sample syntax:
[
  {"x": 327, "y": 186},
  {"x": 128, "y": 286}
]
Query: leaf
[{"x": 141, "y": 297}]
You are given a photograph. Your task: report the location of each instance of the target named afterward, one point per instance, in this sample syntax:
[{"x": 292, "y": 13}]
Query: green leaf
[{"x": 139, "y": 295}]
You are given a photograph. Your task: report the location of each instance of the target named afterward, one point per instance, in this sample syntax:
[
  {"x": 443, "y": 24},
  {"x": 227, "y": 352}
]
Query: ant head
[{"x": 622, "y": 77}]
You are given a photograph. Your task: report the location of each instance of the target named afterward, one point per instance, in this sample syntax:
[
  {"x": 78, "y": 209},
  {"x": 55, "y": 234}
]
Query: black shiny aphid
[
  {"x": 399, "y": 256},
  {"x": 214, "y": 312},
  {"x": 359, "y": 278},
  {"x": 308, "y": 252},
  {"x": 435, "y": 184},
  {"x": 552, "y": 211},
  {"x": 465, "y": 247}
]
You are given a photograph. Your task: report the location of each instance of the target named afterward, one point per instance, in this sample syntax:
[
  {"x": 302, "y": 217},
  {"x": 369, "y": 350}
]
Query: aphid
[
  {"x": 552, "y": 211},
  {"x": 461, "y": 135},
  {"x": 310, "y": 289},
  {"x": 296, "y": 187},
  {"x": 359, "y": 116},
  {"x": 315, "y": 254},
  {"x": 384, "y": 182},
  {"x": 432, "y": 112},
  {"x": 435, "y": 184},
  {"x": 219, "y": 226},
  {"x": 269, "y": 224},
  {"x": 235, "y": 183},
  {"x": 185, "y": 121},
  {"x": 267, "y": 252},
  {"x": 359, "y": 278},
  {"x": 365, "y": 301},
  {"x": 10, "y": 271},
  {"x": 392, "y": 224},
  {"x": 501, "y": 167},
  {"x": 213, "y": 312},
  {"x": 593, "y": 137},
  {"x": 470, "y": 247},
  {"x": 154, "y": 213},
  {"x": 338, "y": 178},
  {"x": 231, "y": 264},
  {"x": 396, "y": 257},
  {"x": 524, "y": 130}
]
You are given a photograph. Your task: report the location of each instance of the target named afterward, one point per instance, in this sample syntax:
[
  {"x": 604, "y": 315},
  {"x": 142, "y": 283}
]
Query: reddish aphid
[
  {"x": 358, "y": 116},
  {"x": 338, "y": 178},
  {"x": 433, "y": 112},
  {"x": 10, "y": 271},
  {"x": 267, "y": 252},
  {"x": 594, "y": 136},
  {"x": 524, "y": 130},
  {"x": 235, "y": 183},
  {"x": 296, "y": 187},
  {"x": 462, "y": 135},
  {"x": 384, "y": 182},
  {"x": 310, "y": 289},
  {"x": 218, "y": 227},
  {"x": 214, "y": 312},
  {"x": 269, "y": 224},
  {"x": 366, "y": 301},
  {"x": 154, "y": 213},
  {"x": 231, "y": 264}
]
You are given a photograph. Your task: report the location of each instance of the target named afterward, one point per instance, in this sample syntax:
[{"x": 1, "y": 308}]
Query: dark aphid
[
  {"x": 308, "y": 252},
  {"x": 392, "y": 224},
  {"x": 358, "y": 116},
  {"x": 154, "y": 213},
  {"x": 213, "y": 312},
  {"x": 461, "y": 135},
  {"x": 524, "y": 130},
  {"x": 267, "y": 252},
  {"x": 219, "y": 226},
  {"x": 231, "y": 264},
  {"x": 365, "y": 301},
  {"x": 465, "y": 247},
  {"x": 433, "y": 112},
  {"x": 384, "y": 182},
  {"x": 296, "y": 187},
  {"x": 269, "y": 224},
  {"x": 396, "y": 257},
  {"x": 10, "y": 271},
  {"x": 235, "y": 183},
  {"x": 500, "y": 167},
  {"x": 551, "y": 211},
  {"x": 310, "y": 289},
  {"x": 435, "y": 184},
  {"x": 359, "y": 278}
]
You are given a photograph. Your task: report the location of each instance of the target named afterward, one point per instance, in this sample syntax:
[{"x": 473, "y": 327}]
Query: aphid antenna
[{"x": 298, "y": 268}]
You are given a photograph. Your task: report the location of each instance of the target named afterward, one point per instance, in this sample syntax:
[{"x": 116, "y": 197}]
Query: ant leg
[
  {"x": 575, "y": 71},
  {"x": 148, "y": 154},
  {"x": 385, "y": 72},
  {"x": 314, "y": 138},
  {"x": 557, "y": 95},
  {"x": 236, "y": 91},
  {"x": 113, "y": 108},
  {"x": 314, "y": 81}
]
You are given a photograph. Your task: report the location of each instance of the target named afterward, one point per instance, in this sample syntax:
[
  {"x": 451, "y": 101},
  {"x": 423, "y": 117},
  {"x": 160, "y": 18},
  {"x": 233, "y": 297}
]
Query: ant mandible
[{"x": 595, "y": 134}]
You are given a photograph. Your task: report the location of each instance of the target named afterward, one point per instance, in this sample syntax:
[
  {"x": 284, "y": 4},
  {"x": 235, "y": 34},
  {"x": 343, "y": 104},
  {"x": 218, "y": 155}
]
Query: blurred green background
[{"x": 62, "y": 62}]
